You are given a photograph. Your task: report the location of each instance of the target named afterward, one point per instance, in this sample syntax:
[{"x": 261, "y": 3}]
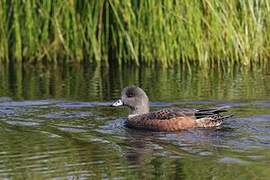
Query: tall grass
[{"x": 148, "y": 31}]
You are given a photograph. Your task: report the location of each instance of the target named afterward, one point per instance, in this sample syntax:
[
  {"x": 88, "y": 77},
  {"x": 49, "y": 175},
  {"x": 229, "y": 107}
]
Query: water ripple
[{"x": 58, "y": 139}]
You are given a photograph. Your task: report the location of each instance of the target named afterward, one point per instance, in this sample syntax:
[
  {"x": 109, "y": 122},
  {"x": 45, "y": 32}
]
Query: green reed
[{"x": 136, "y": 32}]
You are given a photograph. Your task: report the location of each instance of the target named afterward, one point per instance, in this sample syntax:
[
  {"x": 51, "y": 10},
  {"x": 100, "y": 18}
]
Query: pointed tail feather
[{"x": 212, "y": 110}]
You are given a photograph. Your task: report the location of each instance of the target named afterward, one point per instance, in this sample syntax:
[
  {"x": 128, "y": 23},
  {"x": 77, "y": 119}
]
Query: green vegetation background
[{"x": 136, "y": 32}]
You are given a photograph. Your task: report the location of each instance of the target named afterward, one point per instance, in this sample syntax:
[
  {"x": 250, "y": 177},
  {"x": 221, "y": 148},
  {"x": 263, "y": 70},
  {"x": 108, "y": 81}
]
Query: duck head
[{"x": 135, "y": 99}]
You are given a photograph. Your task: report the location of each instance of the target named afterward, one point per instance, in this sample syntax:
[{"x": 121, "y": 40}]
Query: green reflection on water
[
  {"x": 53, "y": 139},
  {"x": 49, "y": 152},
  {"x": 93, "y": 82}
]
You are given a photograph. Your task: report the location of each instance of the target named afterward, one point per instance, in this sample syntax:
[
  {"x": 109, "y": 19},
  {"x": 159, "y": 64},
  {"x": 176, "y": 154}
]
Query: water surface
[{"x": 57, "y": 123}]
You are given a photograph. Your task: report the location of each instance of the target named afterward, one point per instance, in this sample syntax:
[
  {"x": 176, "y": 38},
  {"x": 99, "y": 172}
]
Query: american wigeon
[{"x": 166, "y": 119}]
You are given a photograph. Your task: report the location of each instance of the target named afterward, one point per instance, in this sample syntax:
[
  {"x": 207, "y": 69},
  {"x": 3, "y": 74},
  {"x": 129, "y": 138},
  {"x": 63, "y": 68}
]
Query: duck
[{"x": 171, "y": 119}]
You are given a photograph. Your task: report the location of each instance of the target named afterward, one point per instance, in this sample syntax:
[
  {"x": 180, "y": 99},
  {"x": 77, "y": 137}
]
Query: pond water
[{"x": 56, "y": 123}]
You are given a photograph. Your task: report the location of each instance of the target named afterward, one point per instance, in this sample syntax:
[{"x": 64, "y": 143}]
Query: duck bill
[{"x": 118, "y": 103}]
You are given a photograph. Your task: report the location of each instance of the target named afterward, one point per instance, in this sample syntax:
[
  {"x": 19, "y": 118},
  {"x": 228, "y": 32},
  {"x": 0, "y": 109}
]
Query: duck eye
[{"x": 129, "y": 95}]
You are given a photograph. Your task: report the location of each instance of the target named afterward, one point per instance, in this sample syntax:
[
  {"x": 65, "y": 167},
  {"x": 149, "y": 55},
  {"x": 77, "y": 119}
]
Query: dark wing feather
[
  {"x": 211, "y": 112},
  {"x": 166, "y": 114}
]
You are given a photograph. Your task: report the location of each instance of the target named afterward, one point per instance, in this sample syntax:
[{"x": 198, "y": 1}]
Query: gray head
[{"x": 134, "y": 98}]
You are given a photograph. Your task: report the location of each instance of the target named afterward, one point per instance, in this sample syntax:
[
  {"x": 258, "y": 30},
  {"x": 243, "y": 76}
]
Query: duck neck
[{"x": 138, "y": 110}]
